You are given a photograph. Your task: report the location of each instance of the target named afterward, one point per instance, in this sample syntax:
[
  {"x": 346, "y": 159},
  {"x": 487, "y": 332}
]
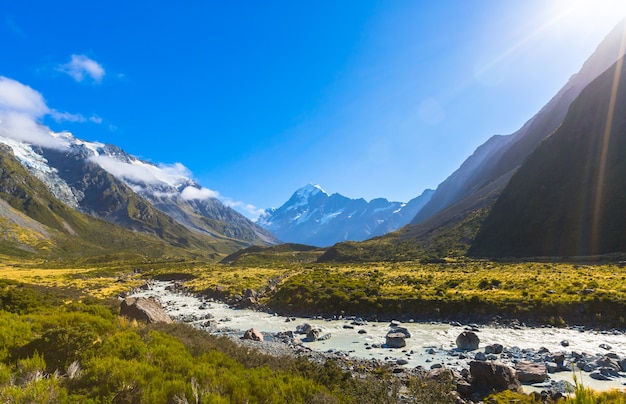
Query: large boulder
[
  {"x": 395, "y": 340},
  {"x": 493, "y": 377},
  {"x": 467, "y": 341},
  {"x": 313, "y": 335},
  {"x": 253, "y": 334},
  {"x": 144, "y": 309},
  {"x": 530, "y": 372}
]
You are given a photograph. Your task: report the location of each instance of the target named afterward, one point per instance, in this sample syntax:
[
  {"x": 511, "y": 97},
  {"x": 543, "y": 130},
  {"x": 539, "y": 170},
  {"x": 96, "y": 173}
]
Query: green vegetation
[
  {"x": 426, "y": 242},
  {"x": 280, "y": 254},
  {"x": 553, "y": 293},
  {"x": 60, "y": 344},
  {"x": 61, "y": 339}
]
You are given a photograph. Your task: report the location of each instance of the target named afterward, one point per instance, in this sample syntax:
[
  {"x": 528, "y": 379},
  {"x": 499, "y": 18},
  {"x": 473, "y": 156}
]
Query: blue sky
[{"x": 366, "y": 98}]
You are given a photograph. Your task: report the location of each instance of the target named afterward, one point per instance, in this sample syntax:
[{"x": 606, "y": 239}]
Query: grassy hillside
[
  {"x": 287, "y": 253},
  {"x": 36, "y": 224}
]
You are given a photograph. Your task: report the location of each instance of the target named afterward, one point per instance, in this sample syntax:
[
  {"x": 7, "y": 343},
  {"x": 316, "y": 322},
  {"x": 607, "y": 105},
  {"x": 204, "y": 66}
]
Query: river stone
[
  {"x": 313, "y": 335},
  {"x": 494, "y": 349},
  {"x": 304, "y": 328},
  {"x": 402, "y": 330},
  {"x": 247, "y": 302},
  {"x": 144, "y": 309},
  {"x": 608, "y": 363},
  {"x": 467, "y": 341},
  {"x": 530, "y": 372},
  {"x": 395, "y": 340},
  {"x": 253, "y": 334},
  {"x": 493, "y": 377}
]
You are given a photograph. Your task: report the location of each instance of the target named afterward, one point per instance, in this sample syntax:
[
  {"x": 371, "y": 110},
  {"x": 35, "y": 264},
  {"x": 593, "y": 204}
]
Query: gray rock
[
  {"x": 253, "y": 334},
  {"x": 436, "y": 366},
  {"x": 402, "y": 330},
  {"x": 313, "y": 335},
  {"x": 552, "y": 367},
  {"x": 324, "y": 337},
  {"x": 304, "y": 328},
  {"x": 402, "y": 362},
  {"x": 606, "y": 347},
  {"x": 144, "y": 309},
  {"x": 494, "y": 349},
  {"x": 597, "y": 375},
  {"x": 530, "y": 372},
  {"x": 395, "y": 340},
  {"x": 467, "y": 341},
  {"x": 247, "y": 302},
  {"x": 607, "y": 363},
  {"x": 493, "y": 377},
  {"x": 565, "y": 343},
  {"x": 480, "y": 356}
]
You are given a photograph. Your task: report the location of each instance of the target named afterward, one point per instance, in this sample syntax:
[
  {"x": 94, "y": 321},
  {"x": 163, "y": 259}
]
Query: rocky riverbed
[{"x": 543, "y": 357}]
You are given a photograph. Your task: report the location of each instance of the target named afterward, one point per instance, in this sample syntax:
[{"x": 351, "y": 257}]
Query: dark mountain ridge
[
  {"x": 502, "y": 155},
  {"x": 568, "y": 198}
]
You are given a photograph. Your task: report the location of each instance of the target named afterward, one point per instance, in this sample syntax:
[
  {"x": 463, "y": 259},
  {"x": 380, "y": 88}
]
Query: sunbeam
[{"x": 599, "y": 188}]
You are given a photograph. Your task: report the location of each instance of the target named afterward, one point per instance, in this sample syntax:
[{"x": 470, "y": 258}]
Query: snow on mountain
[
  {"x": 169, "y": 188},
  {"x": 312, "y": 216},
  {"x": 38, "y": 166}
]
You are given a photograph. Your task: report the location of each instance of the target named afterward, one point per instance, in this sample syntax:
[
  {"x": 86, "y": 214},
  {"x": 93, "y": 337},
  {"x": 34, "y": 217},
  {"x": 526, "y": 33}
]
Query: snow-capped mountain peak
[
  {"x": 309, "y": 190},
  {"x": 312, "y": 216}
]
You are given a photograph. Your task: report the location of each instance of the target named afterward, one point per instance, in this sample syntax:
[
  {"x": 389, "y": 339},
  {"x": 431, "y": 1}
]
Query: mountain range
[
  {"x": 450, "y": 222},
  {"x": 553, "y": 188},
  {"x": 103, "y": 182},
  {"x": 312, "y": 216}
]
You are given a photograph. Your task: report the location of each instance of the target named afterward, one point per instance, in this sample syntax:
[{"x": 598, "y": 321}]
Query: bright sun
[{"x": 589, "y": 12}]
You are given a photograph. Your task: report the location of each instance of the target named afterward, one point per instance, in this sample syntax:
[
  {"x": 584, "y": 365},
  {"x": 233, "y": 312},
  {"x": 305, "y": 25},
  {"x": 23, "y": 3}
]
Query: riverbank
[{"x": 431, "y": 345}]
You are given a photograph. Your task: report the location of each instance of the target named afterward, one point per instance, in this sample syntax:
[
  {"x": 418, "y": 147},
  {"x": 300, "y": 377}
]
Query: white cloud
[
  {"x": 66, "y": 116},
  {"x": 20, "y": 109},
  {"x": 80, "y": 67},
  {"x": 248, "y": 210},
  {"x": 192, "y": 193},
  {"x": 95, "y": 119},
  {"x": 17, "y": 97},
  {"x": 139, "y": 172},
  {"x": 69, "y": 117}
]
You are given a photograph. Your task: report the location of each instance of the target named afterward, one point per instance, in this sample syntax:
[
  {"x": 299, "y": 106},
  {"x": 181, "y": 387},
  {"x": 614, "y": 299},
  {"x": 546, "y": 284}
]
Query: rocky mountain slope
[
  {"x": 107, "y": 183},
  {"x": 312, "y": 216},
  {"x": 500, "y": 156},
  {"x": 568, "y": 198},
  {"x": 35, "y": 223}
]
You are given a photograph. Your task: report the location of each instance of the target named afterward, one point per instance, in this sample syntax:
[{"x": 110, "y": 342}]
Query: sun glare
[{"x": 583, "y": 13}]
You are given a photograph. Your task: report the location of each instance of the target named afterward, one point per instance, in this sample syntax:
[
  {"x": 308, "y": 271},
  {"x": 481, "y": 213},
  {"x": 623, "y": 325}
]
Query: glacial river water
[{"x": 429, "y": 344}]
